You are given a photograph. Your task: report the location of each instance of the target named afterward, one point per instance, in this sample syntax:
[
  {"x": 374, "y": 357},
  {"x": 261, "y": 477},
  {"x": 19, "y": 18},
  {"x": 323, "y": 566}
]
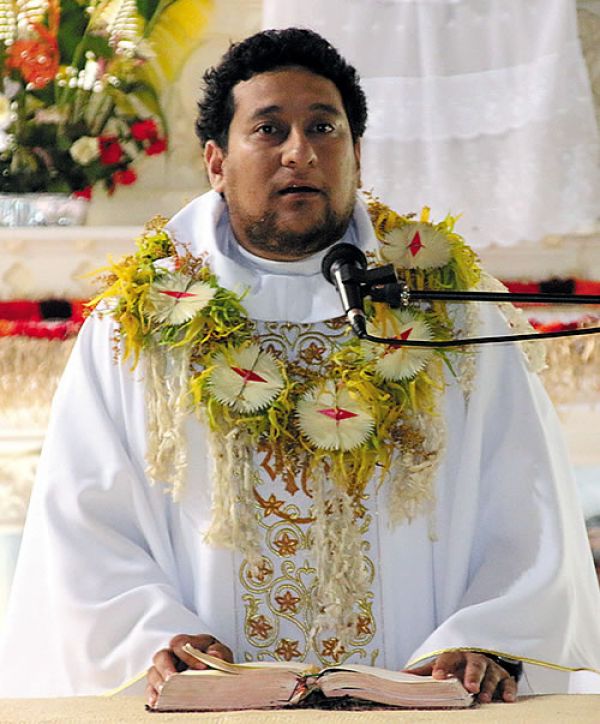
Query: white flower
[
  {"x": 11, "y": 88},
  {"x": 90, "y": 74},
  {"x": 246, "y": 379},
  {"x": 5, "y": 112},
  {"x": 416, "y": 246},
  {"x": 400, "y": 363},
  {"x": 176, "y": 298},
  {"x": 6, "y": 140},
  {"x": 333, "y": 419},
  {"x": 85, "y": 150}
]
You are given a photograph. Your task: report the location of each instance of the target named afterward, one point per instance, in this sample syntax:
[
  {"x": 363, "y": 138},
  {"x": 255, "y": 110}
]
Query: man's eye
[
  {"x": 267, "y": 129},
  {"x": 324, "y": 127}
]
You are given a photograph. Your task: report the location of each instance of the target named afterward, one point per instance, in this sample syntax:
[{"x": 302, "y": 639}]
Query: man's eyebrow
[
  {"x": 274, "y": 109},
  {"x": 266, "y": 111},
  {"x": 332, "y": 110}
]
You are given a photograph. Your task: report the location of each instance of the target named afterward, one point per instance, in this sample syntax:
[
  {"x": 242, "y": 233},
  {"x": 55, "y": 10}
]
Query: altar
[{"x": 583, "y": 709}]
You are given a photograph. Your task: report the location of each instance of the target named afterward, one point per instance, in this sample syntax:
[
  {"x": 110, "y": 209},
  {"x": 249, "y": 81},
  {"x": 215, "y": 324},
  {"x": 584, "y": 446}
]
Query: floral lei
[
  {"x": 355, "y": 408},
  {"x": 369, "y": 408}
]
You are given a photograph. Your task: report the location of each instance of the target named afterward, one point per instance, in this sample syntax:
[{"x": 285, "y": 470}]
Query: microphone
[{"x": 344, "y": 266}]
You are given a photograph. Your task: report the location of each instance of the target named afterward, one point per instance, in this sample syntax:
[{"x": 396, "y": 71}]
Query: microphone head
[{"x": 342, "y": 254}]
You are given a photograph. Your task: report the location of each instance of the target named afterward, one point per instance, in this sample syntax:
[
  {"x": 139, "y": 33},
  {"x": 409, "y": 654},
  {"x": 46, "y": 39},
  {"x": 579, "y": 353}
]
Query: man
[{"x": 276, "y": 543}]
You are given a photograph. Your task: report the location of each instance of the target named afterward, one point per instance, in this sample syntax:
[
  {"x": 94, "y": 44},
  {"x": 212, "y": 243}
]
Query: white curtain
[{"x": 479, "y": 107}]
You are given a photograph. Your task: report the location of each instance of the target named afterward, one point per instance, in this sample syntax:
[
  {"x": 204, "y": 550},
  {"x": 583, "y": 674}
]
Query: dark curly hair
[{"x": 266, "y": 51}]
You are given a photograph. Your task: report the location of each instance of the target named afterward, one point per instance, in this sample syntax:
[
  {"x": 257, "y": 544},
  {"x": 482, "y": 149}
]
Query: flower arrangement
[{"x": 78, "y": 92}]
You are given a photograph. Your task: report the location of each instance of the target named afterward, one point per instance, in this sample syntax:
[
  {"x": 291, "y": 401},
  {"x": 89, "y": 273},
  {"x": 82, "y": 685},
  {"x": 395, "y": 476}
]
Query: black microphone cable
[
  {"x": 469, "y": 341},
  {"x": 345, "y": 266}
]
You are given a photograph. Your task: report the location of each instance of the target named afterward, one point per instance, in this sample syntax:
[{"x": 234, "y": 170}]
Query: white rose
[
  {"x": 85, "y": 150},
  {"x": 5, "y": 112}
]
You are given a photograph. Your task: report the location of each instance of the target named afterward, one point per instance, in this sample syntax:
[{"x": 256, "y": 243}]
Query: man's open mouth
[{"x": 289, "y": 190}]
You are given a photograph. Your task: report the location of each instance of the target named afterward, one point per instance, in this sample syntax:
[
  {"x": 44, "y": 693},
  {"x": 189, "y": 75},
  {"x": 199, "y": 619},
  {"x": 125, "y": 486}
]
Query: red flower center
[
  {"x": 176, "y": 295},
  {"x": 248, "y": 375},
  {"x": 416, "y": 244},
  {"x": 337, "y": 413}
]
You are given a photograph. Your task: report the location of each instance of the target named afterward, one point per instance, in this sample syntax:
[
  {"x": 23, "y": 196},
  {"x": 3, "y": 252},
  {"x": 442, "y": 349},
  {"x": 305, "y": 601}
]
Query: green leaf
[
  {"x": 98, "y": 45},
  {"x": 123, "y": 101},
  {"x": 73, "y": 23},
  {"x": 153, "y": 10},
  {"x": 147, "y": 8},
  {"x": 58, "y": 186}
]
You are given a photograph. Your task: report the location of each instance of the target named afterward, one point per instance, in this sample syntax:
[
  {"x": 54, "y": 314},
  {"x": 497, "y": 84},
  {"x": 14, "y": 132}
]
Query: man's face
[{"x": 291, "y": 169}]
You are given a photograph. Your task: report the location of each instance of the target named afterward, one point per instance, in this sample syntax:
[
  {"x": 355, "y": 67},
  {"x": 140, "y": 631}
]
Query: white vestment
[{"x": 111, "y": 567}]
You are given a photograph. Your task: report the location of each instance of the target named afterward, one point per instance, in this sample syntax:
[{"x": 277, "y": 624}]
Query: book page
[
  {"x": 389, "y": 675},
  {"x": 215, "y": 663},
  {"x": 306, "y": 669}
]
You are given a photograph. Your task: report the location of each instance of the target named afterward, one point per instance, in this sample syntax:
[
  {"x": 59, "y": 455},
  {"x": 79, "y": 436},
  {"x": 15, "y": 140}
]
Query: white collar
[{"x": 274, "y": 290}]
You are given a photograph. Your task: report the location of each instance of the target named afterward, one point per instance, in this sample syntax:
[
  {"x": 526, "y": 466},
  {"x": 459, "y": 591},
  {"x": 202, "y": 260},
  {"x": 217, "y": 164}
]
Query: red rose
[
  {"x": 110, "y": 150},
  {"x": 124, "y": 178},
  {"x": 85, "y": 193},
  {"x": 144, "y": 130},
  {"x": 156, "y": 147}
]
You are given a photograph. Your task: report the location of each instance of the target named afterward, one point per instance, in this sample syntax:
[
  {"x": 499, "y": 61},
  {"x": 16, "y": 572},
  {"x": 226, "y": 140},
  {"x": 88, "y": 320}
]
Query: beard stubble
[{"x": 269, "y": 236}]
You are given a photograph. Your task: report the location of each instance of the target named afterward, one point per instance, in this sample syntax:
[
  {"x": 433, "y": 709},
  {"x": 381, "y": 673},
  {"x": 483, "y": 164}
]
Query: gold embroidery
[
  {"x": 262, "y": 572},
  {"x": 271, "y": 505},
  {"x": 288, "y": 650},
  {"x": 259, "y": 626},
  {"x": 288, "y": 602},
  {"x": 284, "y": 468},
  {"x": 278, "y": 594},
  {"x": 332, "y": 649},
  {"x": 286, "y": 546},
  {"x": 312, "y": 354},
  {"x": 363, "y": 626},
  {"x": 260, "y": 631}
]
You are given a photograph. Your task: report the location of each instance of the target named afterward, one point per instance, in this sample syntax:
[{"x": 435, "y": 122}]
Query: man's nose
[{"x": 298, "y": 151}]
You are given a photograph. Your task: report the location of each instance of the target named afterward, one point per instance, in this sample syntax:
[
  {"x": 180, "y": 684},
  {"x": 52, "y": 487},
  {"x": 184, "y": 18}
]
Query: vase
[{"x": 42, "y": 209}]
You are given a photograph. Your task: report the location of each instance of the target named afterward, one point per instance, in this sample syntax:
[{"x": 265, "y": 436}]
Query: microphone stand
[{"x": 382, "y": 285}]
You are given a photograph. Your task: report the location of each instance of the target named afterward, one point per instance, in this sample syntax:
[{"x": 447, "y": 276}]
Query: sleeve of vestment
[
  {"x": 97, "y": 589},
  {"x": 512, "y": 566}
]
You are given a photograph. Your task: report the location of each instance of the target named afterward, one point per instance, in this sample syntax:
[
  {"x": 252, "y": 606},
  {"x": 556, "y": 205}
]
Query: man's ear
[
  {"x": 357, "y": 148},
  {"x": 214, "y": 156}
]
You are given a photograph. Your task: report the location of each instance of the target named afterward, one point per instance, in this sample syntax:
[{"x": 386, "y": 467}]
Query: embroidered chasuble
[{"x": 275, "y": 600}]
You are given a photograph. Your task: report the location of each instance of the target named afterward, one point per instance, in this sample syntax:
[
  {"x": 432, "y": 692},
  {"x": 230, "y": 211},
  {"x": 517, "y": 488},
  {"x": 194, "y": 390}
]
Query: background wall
[{"x": 167, "y": 182}]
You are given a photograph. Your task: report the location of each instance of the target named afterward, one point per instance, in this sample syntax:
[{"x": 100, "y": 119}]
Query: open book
[{"x": 259, "y": 685}]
